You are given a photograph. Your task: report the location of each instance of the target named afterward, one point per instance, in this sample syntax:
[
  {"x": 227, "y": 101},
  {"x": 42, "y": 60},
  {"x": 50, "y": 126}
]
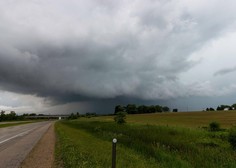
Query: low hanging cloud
[
  {"x": 83, "y": 50},
  {"x": 225, "y": 71}
]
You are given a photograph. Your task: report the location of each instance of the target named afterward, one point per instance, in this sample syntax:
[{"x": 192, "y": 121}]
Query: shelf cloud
[{"x": 73, "y": 51}]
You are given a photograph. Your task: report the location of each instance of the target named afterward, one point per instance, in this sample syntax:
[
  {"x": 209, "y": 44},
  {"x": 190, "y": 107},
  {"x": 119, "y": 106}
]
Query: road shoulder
[{"x": 42, "y": 155}]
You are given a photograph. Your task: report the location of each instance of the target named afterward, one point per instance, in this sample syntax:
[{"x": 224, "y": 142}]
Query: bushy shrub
[
  {"x": 214, "y": 126},
  {"x": 232, "y": 137},
  {"x": 73, "y": 116},
  {"x": 120, "y": 117}
]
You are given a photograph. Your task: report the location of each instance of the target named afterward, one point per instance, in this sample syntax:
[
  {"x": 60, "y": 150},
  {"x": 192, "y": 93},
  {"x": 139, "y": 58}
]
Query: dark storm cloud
[{"x": 84, "y": 50}]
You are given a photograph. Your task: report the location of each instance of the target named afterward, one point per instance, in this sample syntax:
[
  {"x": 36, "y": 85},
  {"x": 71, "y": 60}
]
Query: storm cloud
[{"x": 70, "y": 51}]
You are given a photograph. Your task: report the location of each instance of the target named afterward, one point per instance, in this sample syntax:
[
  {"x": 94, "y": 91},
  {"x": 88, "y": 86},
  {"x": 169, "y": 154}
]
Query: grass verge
[
  {"x": 86, "y": 143},
  {"x": 78, "y": 148},
  {"x": 14, "y": 124}
]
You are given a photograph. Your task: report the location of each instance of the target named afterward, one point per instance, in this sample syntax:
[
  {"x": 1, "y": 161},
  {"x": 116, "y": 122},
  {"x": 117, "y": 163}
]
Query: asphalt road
[{"x": 17, "y": 141}]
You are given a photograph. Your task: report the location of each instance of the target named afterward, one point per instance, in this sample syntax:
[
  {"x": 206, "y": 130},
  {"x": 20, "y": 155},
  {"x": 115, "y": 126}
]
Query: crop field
[
  {"x": 150, "y": 140},
  {"x": 227, "y": 119}
]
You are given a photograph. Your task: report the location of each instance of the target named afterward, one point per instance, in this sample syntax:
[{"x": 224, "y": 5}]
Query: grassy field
[
  {"x": 15, "y": 123},
  {"x": 9, "y": 124},
  {"x": 227, "y": 119},
  {"x": 152, "y": 140}
]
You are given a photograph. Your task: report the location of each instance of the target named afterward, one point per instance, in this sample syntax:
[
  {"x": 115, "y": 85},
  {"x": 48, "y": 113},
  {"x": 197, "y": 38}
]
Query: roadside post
[{"x": 114, "y": 141}]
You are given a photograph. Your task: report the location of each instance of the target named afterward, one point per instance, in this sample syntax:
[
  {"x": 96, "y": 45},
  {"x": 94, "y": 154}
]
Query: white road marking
[{"x": 18, "y": 135}]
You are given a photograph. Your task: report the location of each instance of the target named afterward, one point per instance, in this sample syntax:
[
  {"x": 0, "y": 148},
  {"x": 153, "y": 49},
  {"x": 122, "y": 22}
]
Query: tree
[
  {"x": 214, "y": 126},
  {"x": 131, "y": 109},
  {"x": 120, "y": 117},
  {"x": 119, "y": 108},
  {"x": 3, "y": 116},
  {"x": 141, "y": 109},
  {"x": 2, "y": 112},
  {"x": 158, "y": 108},
  {"x": 234, "y": 106},
  {"x": 89, "y": 115},
  {"x": 12, "y": 116},
  {"x": 175, "y": 110},
  {"x": 212, "y": 109},
  {"x": 152, "y": 109},
  {"x": 72, "y": 116},
  {"x": 222, "y": 107},
  {"x": 166, "y": 109}
]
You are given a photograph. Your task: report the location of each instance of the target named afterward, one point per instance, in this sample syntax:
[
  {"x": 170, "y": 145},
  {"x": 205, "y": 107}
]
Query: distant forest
[
  {"x": 134, "y": 109},
  {"x": 142, "y": 109},
  {"x": 9, "y": 117}
]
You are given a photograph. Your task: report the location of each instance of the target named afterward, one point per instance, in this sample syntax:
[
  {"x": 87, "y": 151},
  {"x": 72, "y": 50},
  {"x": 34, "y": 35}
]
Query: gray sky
[{"x": 60, "y": 56}]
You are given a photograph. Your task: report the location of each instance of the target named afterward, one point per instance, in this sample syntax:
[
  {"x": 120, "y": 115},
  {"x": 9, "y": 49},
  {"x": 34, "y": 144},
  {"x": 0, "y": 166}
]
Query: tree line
[
  {"x": 10, "y": 117},
  {"x": 134, "y": 109},
  {"x": 222, "y": 107}
]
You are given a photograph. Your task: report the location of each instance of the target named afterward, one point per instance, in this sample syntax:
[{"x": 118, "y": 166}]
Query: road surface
[{"x": 17, "y": 141}]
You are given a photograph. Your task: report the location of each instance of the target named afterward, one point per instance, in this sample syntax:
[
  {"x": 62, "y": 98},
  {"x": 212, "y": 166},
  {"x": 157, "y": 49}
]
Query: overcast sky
[{"x": 60, "y": 56}]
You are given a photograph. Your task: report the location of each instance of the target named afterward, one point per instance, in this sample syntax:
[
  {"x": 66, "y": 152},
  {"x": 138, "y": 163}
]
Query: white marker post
[{"x": 114, "y": 141}]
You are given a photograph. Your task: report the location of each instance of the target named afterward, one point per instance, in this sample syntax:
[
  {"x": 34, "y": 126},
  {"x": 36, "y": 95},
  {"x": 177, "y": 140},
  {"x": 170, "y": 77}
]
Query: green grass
[
  {"x": 226, "y": 119},
  {"x": 87, "y": 143},
  {"x": 78, "y": 148},
  {"x": 9, "y": 124}
]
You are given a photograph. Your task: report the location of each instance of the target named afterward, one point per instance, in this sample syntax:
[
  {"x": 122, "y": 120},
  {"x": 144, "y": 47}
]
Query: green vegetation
[
  {"x": 142, "y": 109},
  {"x": 73, "y": 116},
  {"x": 214, "y": 126},
  {"x": 12, "y": 116},
  {"x": 79, "y": 148},
  {"x": 120, "y": 117},
  {"x": 223, "y": 107},
  {"x": 227, "y": 119},
  {"x": 232, "y": 137},
  {"x": 87, "y": 143},
  {"x": 9, "y": 117},
  {"x": 210, "y": 109},
  {"x": 9, "y": 124}
]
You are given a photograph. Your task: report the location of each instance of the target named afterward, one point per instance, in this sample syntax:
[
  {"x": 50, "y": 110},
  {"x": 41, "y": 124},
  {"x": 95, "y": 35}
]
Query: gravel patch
[{"x": 42, "y": 155}]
